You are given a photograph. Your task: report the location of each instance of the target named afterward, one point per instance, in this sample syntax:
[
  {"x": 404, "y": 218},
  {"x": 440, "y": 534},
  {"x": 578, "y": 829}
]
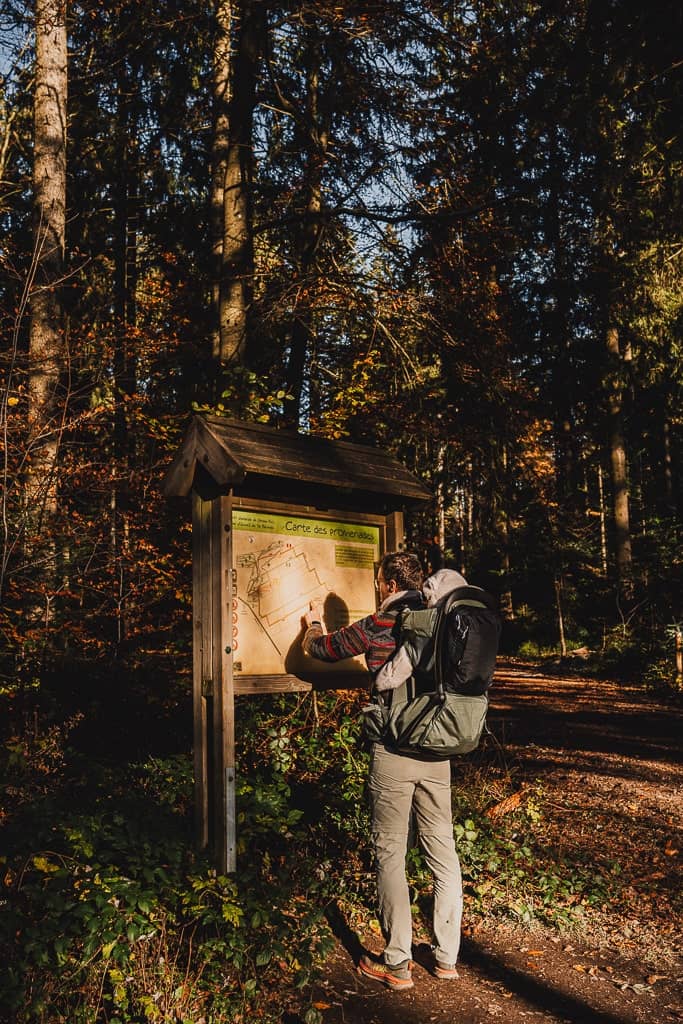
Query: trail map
[{"x": 283, "y": 565}]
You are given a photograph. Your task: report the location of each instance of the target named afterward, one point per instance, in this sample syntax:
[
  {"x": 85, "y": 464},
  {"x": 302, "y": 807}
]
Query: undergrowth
[{"x": 110, "y": 917}]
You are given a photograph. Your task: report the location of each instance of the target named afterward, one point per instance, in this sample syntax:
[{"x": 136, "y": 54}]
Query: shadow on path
[
  {"x": 491, "y": 984},
  {"x": 573, "y": 730},
  {"x": 591, "y": 717}
]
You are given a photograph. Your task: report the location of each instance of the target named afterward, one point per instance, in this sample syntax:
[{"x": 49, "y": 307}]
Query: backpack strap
[
  {"x": 438, "y": 653},
  {"x": 474, "y": 596},
  {"x": 406, "y": 690}
]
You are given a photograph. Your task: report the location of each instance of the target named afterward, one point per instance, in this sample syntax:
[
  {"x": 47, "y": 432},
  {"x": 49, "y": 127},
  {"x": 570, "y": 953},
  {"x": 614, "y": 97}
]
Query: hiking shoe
[
  {"x": 447, "y": 972},
  {"x": 396, "y": 976}
]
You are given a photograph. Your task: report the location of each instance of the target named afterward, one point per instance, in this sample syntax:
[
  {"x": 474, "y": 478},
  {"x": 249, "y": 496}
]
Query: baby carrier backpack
[{"x": 441, "y": 709}]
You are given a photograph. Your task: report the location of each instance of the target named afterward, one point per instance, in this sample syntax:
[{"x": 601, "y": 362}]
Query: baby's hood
[{"x": 440, "y": 584}]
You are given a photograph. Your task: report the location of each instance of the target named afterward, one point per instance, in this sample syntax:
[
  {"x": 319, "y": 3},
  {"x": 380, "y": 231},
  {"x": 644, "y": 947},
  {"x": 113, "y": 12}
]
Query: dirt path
[{"x": 609, "y": 762}]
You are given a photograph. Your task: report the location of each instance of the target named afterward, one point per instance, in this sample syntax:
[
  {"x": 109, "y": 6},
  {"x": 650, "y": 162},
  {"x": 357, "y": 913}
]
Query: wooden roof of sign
[{"x": 219, "y": 455}]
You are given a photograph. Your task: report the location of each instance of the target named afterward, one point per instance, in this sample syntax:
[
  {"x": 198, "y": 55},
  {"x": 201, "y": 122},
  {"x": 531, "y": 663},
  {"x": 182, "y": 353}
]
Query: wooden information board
[{"x": 280, "y": 521}]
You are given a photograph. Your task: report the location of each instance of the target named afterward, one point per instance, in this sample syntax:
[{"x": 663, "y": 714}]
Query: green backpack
[{"x": 440, "y": 711}]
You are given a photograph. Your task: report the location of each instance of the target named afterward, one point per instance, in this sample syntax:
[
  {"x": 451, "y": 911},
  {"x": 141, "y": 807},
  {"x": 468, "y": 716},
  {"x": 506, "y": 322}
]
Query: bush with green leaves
[{"x": 110, "y": 917}]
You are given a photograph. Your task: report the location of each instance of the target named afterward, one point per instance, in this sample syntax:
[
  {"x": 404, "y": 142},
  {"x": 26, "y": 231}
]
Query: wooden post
[
  {"x": 394, "y": 532},
  {"x": 202, "y": 686},
  {"x": 225, "y": 838},
  {"x": 213, "y": 690}
]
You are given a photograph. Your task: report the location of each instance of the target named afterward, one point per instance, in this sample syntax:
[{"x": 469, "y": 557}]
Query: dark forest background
[{"x": 448, "y": 229}]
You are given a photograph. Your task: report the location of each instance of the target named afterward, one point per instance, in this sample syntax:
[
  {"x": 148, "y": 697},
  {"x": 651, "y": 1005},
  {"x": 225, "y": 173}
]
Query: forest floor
[{"x": 608, "y": 757}]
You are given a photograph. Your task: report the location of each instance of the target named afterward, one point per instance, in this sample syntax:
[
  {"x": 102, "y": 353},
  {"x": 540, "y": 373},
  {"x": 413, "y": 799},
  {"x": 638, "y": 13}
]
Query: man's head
[{"x": 398, "y": 570}]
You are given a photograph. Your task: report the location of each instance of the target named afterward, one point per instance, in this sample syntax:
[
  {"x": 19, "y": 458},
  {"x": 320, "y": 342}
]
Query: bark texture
[{"x": 46, "y": 341}]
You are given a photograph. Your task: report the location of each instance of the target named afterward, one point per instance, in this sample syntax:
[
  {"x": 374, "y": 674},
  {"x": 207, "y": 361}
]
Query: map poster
[{"x": 283, "y": 565}]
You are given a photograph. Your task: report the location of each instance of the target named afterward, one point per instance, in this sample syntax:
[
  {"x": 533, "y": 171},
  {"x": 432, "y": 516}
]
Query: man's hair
[{"x": 404, "y": 568}]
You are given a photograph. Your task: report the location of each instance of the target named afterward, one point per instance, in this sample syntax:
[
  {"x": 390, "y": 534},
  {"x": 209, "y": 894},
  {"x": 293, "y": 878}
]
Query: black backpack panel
[{"x": 467, "y": 641}]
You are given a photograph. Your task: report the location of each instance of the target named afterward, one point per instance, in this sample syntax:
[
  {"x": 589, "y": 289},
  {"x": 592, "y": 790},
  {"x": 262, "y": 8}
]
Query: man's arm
[
  {"x": 346, "y": 642},
  {"x": 313, "y": 621}
]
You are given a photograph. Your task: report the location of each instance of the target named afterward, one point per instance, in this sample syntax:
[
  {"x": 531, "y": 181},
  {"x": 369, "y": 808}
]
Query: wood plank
[
  {"x": 201, "y": 628},
  {"x": 228, "y": 590},
  {"x": 223, "y": 769},
  {"x": 312, "y": 511},
  {"x": 177, "y": 481},
  {"x": 366, "y": 466},
  {"x": 252, "y": 685},
  {"x": 215, "y": 458},
  {"x": 395, "y": 533},
  {"x": 262, "y": 450},
  {"x": 231, "y": 452},
  {"x": 270, "y": 684}
]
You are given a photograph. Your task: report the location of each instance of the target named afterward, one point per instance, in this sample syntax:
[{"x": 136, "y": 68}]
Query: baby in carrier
[{"x": 416, "y": 637}]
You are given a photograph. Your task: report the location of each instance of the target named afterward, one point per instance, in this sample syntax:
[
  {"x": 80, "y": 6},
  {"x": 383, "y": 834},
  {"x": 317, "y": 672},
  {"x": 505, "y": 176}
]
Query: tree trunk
[
  {"x": 618, "y": 463},
  {"x": 603, "y": 524},
  {"x": 237, "y": 258},
  {"x": 469, "y": 512},
  {"x": 222, "y": 58},
  {"x": 440, "y": 497},
  {"x": 668, "y": 463},
  {"x": 46, "y": 339},
  {"x": 560, "y": 339},
  {"x": 560, "y": 616},
  {"x": 502, "y": 523},
  {"x": 125, "y": 312},
  {"x": 125, "y": 257},
  {"x": 316, "y": 154}
]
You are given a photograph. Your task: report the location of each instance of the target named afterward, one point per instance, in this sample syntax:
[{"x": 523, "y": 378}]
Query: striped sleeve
[{"x": 346, "y": 642}]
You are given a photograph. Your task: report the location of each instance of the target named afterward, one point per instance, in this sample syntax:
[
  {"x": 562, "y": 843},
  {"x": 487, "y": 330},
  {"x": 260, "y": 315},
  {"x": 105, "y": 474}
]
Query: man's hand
[{"x": 314, "y": 615}]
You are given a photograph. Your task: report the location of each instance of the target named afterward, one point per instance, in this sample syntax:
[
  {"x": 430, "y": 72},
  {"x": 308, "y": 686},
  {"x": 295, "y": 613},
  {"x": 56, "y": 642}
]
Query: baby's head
[{"x": 441, "y": 583}]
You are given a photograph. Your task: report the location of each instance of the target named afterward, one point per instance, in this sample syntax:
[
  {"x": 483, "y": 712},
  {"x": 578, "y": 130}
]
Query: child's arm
[{"x": 395, "y": 671}]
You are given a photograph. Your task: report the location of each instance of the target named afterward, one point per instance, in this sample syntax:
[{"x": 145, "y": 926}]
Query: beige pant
[{"x": 399, "y": 785}]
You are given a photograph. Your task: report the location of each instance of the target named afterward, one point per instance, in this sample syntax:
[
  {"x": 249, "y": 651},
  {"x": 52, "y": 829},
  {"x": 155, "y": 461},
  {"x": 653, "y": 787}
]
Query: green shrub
[{"x": 109, "y": 916}]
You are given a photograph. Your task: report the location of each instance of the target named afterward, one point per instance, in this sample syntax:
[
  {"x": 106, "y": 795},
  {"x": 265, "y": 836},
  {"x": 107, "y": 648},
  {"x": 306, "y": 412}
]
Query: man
[{"x": 399, "y": 784}]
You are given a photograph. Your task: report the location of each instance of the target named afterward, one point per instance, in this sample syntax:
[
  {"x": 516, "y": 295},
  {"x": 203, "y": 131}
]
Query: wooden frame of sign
[{"x": 266, "y": 503}]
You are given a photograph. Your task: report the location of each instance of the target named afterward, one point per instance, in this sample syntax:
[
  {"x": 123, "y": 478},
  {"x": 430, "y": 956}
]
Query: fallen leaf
[
  {"x": 578, "y": 967},
  {"x": 670, "y": 849},
  {"x": 652, "y": 979},
  {"x": 506, "y": 806},
  {"x": 322, "y": 1006}
]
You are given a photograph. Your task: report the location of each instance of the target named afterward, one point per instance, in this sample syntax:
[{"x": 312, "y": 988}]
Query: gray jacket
[{"x": 417, "y": 629}]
